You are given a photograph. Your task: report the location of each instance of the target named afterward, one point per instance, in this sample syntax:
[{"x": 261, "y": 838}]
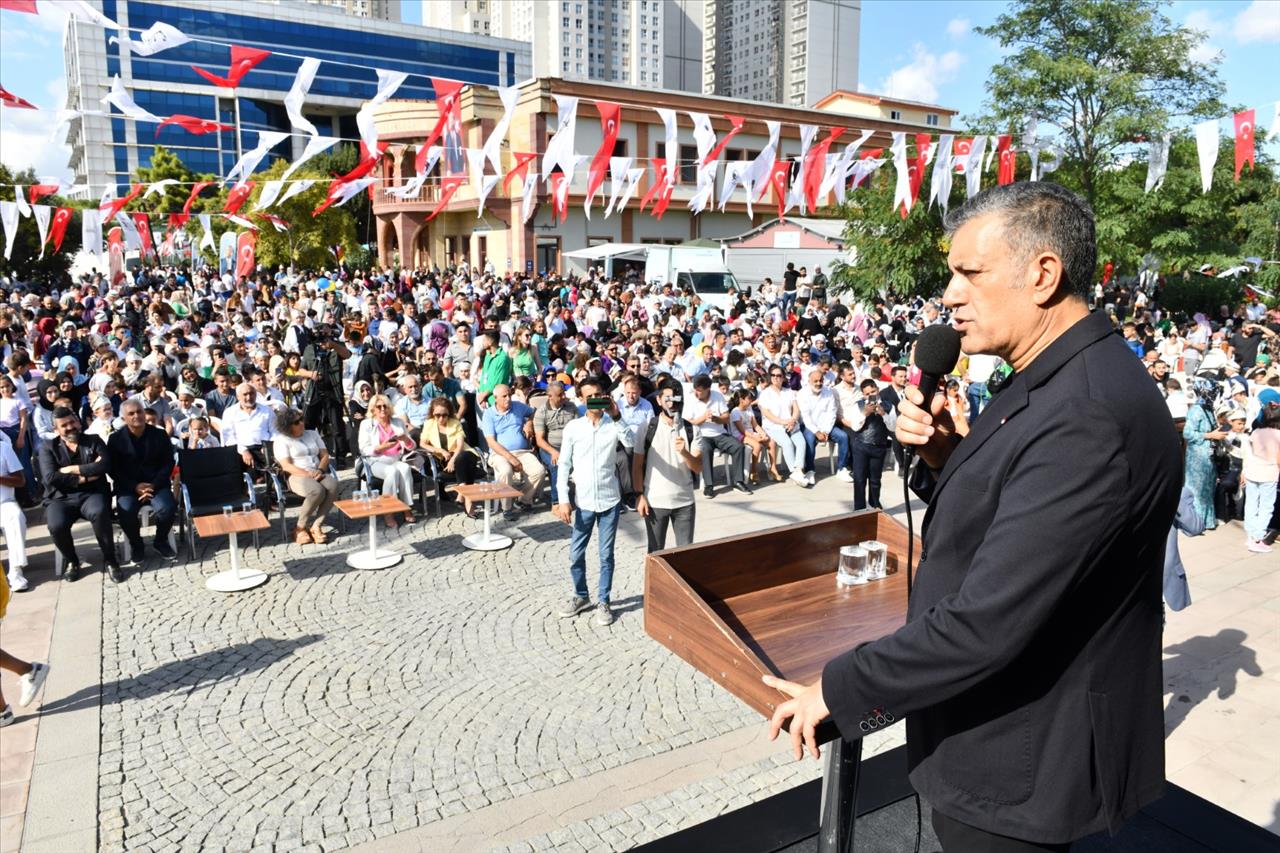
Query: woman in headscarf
[
  {"x": 1200, "y": 431},
  {"x": 358, "y": 410},
  {"x": 46, "y": 392}
]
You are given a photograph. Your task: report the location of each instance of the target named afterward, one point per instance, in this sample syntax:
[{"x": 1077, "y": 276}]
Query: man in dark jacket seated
[
  {"x": 73, "y": 468},
  {"x": 141, "y": 467}
]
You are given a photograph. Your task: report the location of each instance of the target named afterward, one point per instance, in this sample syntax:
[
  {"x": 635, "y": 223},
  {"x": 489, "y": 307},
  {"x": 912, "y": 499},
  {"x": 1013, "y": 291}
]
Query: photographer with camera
[
  {"x": 322, "y": 403},
  {"x": 872, "y": 424},
  {"x": 665, "y": 469}
]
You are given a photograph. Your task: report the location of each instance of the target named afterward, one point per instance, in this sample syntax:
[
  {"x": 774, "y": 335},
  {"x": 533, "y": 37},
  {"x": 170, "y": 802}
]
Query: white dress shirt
[
  {"x": 247, "y": 429},
  {"x": 588, "y": 458},
  {"x": 818, "y": 411}
]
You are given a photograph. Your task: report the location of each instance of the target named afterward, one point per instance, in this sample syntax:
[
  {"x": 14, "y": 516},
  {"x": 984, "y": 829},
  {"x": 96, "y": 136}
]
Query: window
[
  {"x": 566, "y": 52},
  {"x": 565, "y": 22},
  {"x": 644, "y": 77},
  {"x": 931, "y": 119},
  {"x": 895, "y": 115},
  {"x": 688, "y": 164},
  {"x": 620, "y": 146}
]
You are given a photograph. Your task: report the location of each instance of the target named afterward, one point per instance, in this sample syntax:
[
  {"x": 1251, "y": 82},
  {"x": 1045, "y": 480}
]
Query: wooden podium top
[{"x": 768, "y": 604}]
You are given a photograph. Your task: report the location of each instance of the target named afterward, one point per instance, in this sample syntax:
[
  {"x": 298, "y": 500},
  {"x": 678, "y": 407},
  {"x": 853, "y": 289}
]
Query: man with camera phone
[
  {"x": 871, "y": 428},
  {"x": 665, "y": 469}
]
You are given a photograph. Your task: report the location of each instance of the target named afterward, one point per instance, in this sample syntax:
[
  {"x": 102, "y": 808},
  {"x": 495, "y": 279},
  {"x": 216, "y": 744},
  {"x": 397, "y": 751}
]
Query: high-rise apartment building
[
  {"x": 381, "y": 10},
  {"x": 651, "y": 43},
  {"x": 792, "y": 52}
]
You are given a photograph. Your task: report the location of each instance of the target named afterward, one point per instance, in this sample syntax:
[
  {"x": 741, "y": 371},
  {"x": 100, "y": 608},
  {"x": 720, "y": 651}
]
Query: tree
[
  {"x": 307, "y": 242},
  {"x": 25, "y": 263},
  {"x": 1103, "y": 72}
]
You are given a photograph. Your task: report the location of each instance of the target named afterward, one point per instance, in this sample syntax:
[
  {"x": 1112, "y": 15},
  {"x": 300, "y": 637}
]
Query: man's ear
[{"x": 1045, "y": 277}]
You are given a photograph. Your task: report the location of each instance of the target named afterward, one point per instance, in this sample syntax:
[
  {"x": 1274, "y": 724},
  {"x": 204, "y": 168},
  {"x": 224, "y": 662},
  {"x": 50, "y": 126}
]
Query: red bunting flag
[
  {"x": 963, "y": 148},
  {"x": 178, "y": 220},
  {"x": 39, "y": 191},
  {"x": 237, "y": 197},
  {"x": 111, "y": 208},
  {"x": 115, "y": 255},
  {"x": 448, "y": 186},
  {"x": 448, "y": 117},
  {"x": 778, "y": 179},
  {"x": 736, "y": 122},
  {"x": 1008, "y": 160},
  {"x": 815, "y": 167},
  {"x": 520, "y": 169},
  {"x": 609, "y": 125},
  {"x": 916, "y": 168},
  {"x": 243, "y": 59},
  {"x": 865, "y": 177},
  {"x": 143, "y": 223},
  {"x": 244, "y": 254},
  {"x": 61, "y": 218},
  {"x": 28, "y": 6},
  {"x": 279, "y": 223},
  {"x": 1244, "y": 140},
  {"x": 664, "y": 199},
  {"x": 198, "y": 126},
  {"x": 659, "y": 178},
  {"x": 9, "y": 99},
  {"x": 559, "y": 197}
]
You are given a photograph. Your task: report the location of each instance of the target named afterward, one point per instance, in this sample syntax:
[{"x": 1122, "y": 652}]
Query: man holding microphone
[
  {"x": 1029, "y": 668},
  {"x": 664, "y": 470}
]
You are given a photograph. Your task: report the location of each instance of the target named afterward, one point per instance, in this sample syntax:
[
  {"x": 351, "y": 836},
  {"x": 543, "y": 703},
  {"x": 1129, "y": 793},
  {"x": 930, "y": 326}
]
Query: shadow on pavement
[{"x": 1222, "y": 655}]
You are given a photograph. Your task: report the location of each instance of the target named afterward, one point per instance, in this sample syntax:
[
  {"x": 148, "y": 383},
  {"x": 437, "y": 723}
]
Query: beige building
[
  {"x": 382, "y": 10},
  {"x": 457, "y": 235},
  {"x": 886, "y": 109}
]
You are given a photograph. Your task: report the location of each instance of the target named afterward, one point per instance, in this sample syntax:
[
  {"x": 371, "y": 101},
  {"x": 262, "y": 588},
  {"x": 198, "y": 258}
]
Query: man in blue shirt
[
  {"x": 508, "y": 430},
  {"x": 412, "y": 406}
]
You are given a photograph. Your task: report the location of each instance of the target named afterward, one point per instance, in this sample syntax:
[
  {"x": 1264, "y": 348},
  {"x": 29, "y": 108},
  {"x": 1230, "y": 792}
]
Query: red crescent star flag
[
  {"x": 815, "y": 163},
  {"x": 448, "y": 116},
  {"x": 178, "y": 220},
  {"x": 243, "y": 59},
  {"x": 115, "y": 255},
  {"x": 924, "y": 150},
  {"x": 28, "y": 6},
  {"x": 192, "y": 124},
  {"x": 520, "y": 169},
  {"x": 736, "y": 126},
  {"x": 143, "y": 224},
  {"x": 61, "y": 218},
  {"x": 237, "y": 197},
  {"x": 111, "y": 208},
  {"x": 559, "y": 196},
  {"x": 609, "y": 121},
  {"x": 659, "y": 178},
  {"x": 448, "y": 187},
  {"x": 244, "y": 254},
  {"x": 9, "y": 99},
  {"x": 964, "y": 147},
  {"x": 39, "y": 191},
  {"x": 778, "y": 180},
  {"x": 1008, "y": 160},
  {"x": 1244, "y": 140}
]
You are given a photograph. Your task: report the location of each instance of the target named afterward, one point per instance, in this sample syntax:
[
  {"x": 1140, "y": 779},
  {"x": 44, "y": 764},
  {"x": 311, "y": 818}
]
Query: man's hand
[
  {"x": 317, "y": 475},
  {"x": 821, "y": 436},
  {"x": 642, "y": 506},
  {"x": 563, "y": 512},
  {"x": 143, "y": 491},
  {"x": 514, "y": 462},
  {"x": 806, "y": 709},
  {"x": 247, "y": 458},
  {"x": 681, "y": 444},
  {"x": 555, "y": 456},
  {"x": 933, "y": 433}
]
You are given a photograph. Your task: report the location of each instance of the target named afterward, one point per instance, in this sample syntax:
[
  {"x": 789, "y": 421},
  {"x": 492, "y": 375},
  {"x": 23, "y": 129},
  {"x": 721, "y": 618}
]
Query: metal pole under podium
[{"x": 837, "y": 808}]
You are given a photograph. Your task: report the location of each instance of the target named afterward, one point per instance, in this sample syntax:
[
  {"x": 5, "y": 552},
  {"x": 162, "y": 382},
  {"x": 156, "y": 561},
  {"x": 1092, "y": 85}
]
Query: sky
[{"x": 923, "y": 50}]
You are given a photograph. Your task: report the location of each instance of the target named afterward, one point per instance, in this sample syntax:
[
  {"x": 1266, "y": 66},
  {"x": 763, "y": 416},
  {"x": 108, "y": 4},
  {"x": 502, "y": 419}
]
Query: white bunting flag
[
  {"x": 91, "y": 231},
  {"x": 132, "y": 239},
  {"x": 618, "y": 168},
  {"x": 487, "y": 183},
  {"x": 9, "y": 219},
  {"x": 1050, "y": 159},
  {"x": 351, "y": 189},
  {"x": 844, "y": 169},
  {"x": 762, "y": 166},
  {"x": 973, "y": 174},
  {"x": 20, "y": 199},
  {"x": 248, "y": 163},
  {"x": 43, "y": 212},
  {"x": 270, "y": 192},
  {"x": 526, "y": 200},
  {"x": 206, "y": 225},
  {"x": 298, "y": 95},
  {"x": 408, "y": 190},
  {"x": 706, "y": 186},
  {"x": 705, "y": 138},
  {"x": 295, "y": 188},
  {"x": 943, "y": 169},
  {"x": 123, "y": 101},
  {"x": 1032, "y": 145},
  {"x": 388, "y": 82},
  {"x": 159, "y": 187},
  {"x": 795, "y": 195},
  {"x": 241, "y": 221},
  {"x": 993, "y": 143},
  {"x": 734, "y": 170},
  {"x": 493, "y": 145},
  {"x": 82, "y": 9},
  {"x": 1207, "y": 142},
  {"x": 669, "y": 147},
  {"x": 633, "y": 181},
  {"x": 560, "y": 147},
  {"x": 315, "y": 145},
  {"x": 704, "y": 135},
  {"x": 159, "y": 36},
  {"x": 902, "y": 187}
]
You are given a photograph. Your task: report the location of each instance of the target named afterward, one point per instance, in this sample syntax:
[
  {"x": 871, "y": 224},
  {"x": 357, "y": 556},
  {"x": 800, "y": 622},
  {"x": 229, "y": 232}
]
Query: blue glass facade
[{"x": 215, "y": 152}]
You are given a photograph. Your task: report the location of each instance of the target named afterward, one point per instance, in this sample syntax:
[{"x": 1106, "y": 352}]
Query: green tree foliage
[
  {"x": 25, "y": 263},
  {"x": 307, "y": 242},
  {"x": 167, "y": 165},
  {"x": 1102, "y": 72}
]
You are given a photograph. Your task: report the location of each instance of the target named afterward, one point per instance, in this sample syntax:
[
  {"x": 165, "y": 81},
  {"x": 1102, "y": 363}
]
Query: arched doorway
[{"x": 422, "y": 248}]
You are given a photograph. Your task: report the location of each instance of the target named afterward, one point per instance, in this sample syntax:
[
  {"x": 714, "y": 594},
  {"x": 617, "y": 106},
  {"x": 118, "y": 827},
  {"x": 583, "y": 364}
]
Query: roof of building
[
  {"x": 868, "y": 98},
  {"x": 828, "y": 229}
]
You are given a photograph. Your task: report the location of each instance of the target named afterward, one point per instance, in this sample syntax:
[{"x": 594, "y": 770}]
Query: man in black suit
[
  {"x": 73, "y": 468},
  {"x": 141, "y": 468},
  {"x": 1029, "y": 668}
]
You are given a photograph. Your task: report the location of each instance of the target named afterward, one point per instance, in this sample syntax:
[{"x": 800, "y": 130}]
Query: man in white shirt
[
  {"x": 664, "y": 470},
  {"x": 12, "y": 520},
  {"x": 588, "y": 461},
  {"x": 979, "y": 373},
  {"x": 819, "y": 414},
  {"x": 247, "y": 426},
  {"x": 707, "y": 410}
]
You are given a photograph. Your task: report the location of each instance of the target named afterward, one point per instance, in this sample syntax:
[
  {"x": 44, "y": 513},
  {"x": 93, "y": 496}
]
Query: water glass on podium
[
  {"x": 852, "y": 568},
  {"x": 877, "y": 559}
]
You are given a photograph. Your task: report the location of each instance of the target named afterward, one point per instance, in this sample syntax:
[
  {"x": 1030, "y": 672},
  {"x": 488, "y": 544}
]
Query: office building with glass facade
[{"x": 107, "y": 150}]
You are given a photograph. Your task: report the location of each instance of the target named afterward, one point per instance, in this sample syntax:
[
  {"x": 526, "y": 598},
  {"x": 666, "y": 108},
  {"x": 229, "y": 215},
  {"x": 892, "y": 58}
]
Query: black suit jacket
[
  {"x": 91, "y": 453},
  {"x": 153, "y": 464},
  {"x": 1029, "y": 669}
]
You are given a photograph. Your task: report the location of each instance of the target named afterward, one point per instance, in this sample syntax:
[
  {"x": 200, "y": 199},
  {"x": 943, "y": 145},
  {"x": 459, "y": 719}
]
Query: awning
[{"x": 637, "y": 251}]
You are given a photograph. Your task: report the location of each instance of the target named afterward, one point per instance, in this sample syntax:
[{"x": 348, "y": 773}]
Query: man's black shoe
[
  {"x": 165, "y": 551},
  {"x": 744, "y": 488},
  {"x": 709, "y": 492},
  {"x": 115, "y": 573},
  {"x": 137, "y": 553},
  {"x": 72, "y": 573}
]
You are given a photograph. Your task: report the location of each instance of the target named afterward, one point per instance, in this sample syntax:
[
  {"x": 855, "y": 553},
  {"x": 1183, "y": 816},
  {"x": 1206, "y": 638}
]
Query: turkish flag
[
  {"x": 778, "y": 179},
  {"x": 39, "y": 191},
  {"x": 448, "y": 187},
  {"x": 198, "y": 126},
  {"x": 143, "y": 223},
  {"x": 244, "y": 254},
  {"x": 237, "y": 197},
  {"x": 1107, "y": 269},
  {"x": 9, "y": 99},
  {"x": 448, "y": 115},
  {"x": 659, "y": 178},
  {"x": 735, "y": 126},
  {"x": 1008, "y": 160},
  {"x": 963, "y": 148},
  {"x": 28, "y": 6},
  {"x": 178, "y": 220},
  {"x": 115, "y": 255},
  {"x": 111, "y": 208},
  {"x": 243, "y": 59},
  {"x": 916, "y": 168},
  {"x": 61, "y": 218},
  {"x": 1244, "y": 140},
  {"x": 521, "y": 168},
  {"x": 815, "y": 163},
  {"x": 559, "y": 196},
  {"x": 609, "y": 121}
]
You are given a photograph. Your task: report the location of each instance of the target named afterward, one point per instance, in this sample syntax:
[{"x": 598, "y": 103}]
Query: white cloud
[
  {"x": 1203, "y": 21},
  {"x": 24, "y": 138},
  {"x": 958, "y": 28},
  {"x": 919, "y": 79},
  {"x": 1205, "y": 53},
  {"x": 1260, "y": 21}
]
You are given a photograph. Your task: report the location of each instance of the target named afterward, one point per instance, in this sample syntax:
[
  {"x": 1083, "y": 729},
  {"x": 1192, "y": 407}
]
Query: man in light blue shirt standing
[{"x": 588, "y": 459}]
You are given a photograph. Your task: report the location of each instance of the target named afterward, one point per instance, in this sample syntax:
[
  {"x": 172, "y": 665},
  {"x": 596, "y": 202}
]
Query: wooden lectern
[{"x": 767, "y": 603}]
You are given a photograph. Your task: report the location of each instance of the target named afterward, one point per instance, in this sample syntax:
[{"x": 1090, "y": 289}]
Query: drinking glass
[
  {"x": 360, "y": 495},
  {"x": 247, "y": 507},
  {"x": 226, "y": 510},
  {"x": 852, "y": 569},
  {"x": 877, "y": 557}
]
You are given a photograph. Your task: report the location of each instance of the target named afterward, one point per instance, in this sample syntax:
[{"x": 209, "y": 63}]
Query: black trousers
[
  {"x": 727, "y": 445},
  {"x": 868, "y": 465},
  {"x": 679, "y": 519},
  {"x": 95, "y": 508},
  {"x": 958, "y": 837}
]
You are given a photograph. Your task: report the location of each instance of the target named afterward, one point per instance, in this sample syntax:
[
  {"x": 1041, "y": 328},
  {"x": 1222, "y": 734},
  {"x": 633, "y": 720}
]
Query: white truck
[{"x": 701, "y": 268}]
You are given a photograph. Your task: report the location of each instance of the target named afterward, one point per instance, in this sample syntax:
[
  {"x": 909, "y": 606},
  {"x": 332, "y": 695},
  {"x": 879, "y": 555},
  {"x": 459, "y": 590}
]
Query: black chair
[{"x": 211, "y": 479}]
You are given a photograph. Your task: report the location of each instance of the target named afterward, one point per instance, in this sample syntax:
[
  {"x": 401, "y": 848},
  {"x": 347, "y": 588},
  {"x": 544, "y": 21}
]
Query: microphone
[{"x": 937, "y": 351}]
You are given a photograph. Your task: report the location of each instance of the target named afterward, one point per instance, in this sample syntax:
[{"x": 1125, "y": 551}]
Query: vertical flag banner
[
  {"x": 609, "y": 126},
  {"x": 143, "y": 223},
  {"x": 1207, "y": 147},
  {"x": 1158, "y": 161},
  {"x": 115, "y": 255},
  {"x": 1245, "y": 124},
  {"x": 245, "y": 244},
  {"x": 1008, "y": 160},
  {"x": 42, "y": 214},
  {"x": 91, "y": 231},
  {"x": 902, "y": 184},
  {"x": 61, "y": 218}
]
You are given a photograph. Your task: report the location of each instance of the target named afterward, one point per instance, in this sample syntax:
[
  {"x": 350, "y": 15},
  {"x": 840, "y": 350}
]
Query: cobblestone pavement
[{"x": 332, "y": 706}]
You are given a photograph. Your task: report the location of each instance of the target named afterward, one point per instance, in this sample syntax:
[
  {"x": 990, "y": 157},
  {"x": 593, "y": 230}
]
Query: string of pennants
[{"x": 820, "y": 170}]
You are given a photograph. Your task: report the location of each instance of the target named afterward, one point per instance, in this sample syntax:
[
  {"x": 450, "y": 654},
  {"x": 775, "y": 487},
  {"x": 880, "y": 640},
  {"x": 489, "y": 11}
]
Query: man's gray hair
[
  {"x": 1037, "y": 216},
  {"x": 131, "y": 403}
]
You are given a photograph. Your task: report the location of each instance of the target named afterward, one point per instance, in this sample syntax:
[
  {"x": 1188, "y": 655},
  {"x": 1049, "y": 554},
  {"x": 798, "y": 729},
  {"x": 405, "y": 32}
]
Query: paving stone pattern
[{"x": 331, "y": 706}]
